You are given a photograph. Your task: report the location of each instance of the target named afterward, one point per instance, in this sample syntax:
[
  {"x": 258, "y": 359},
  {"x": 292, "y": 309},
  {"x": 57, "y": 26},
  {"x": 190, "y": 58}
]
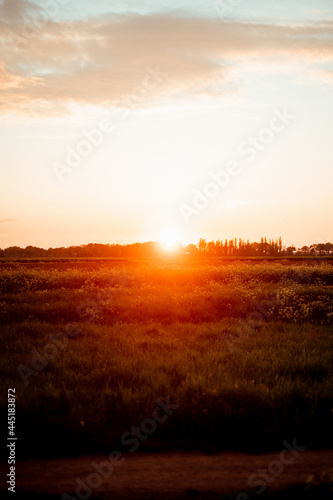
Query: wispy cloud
[
  {"x": 100, "y": 61},
  {"x": 14, "y": 11},
  {"x": 2, "y": 221}
]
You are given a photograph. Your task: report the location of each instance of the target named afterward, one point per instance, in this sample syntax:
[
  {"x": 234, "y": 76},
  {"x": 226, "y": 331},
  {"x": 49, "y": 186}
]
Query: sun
[{"x": 169, "y": 238}]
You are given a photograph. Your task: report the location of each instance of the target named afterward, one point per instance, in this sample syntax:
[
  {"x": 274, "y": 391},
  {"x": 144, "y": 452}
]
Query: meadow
[{"x": 243, "y": 349}]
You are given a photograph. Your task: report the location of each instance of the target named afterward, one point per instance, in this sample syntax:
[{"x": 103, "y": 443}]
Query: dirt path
[{"x": 172, "y": 475}]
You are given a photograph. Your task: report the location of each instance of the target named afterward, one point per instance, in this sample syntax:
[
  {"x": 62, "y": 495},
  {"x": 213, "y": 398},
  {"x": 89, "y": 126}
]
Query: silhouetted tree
[{"x": 202, "y": 245}]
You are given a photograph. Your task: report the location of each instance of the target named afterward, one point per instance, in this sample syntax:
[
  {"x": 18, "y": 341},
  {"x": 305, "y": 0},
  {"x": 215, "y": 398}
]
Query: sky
[{"x": 126, "y": 121}]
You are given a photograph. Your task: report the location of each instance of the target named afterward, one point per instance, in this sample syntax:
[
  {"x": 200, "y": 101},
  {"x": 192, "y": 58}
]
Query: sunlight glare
[{"x": 169, "y": 238}]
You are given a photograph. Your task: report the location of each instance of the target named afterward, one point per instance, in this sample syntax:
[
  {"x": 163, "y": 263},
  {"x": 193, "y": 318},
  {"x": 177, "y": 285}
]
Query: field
[{"x": 243, "y": 351}]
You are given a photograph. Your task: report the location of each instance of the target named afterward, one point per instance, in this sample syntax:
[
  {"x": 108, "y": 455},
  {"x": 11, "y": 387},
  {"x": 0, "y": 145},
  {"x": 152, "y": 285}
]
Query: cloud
[
  {"x": 2, "y": 221},
  {"x": 16, "y": 11},
  {"x": 103, "y": 61},
  {"x": 13, "y": 10}
]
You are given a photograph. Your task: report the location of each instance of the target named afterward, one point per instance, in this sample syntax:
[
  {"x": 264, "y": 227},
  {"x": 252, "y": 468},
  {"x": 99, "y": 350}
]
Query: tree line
[
  {"x": 239, "y": 247},
  {"x": 219, "y": 248}
]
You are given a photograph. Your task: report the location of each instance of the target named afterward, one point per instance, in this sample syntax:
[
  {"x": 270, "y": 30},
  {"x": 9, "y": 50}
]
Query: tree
[
  {"x": 226, "y": 248},
  {"x": 320, "y": 247},
  {"x": 291, "y": 250},
  {"x": 211, "y": 247},
  {"x": 329, "y": 248},
  {"x": 191, "y": 249},
  {"x": 202, "y": 245}
]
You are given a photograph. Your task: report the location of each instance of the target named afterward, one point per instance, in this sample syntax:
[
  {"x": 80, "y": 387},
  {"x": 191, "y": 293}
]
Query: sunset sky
[{"x": 117, "y": 116}]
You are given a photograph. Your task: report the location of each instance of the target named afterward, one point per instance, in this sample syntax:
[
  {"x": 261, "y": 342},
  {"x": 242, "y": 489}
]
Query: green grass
[{"x": 242, "y": 380}]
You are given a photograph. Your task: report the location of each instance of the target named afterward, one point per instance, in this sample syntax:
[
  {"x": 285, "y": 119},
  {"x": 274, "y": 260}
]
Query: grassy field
[{"x": 243, "y": 349}]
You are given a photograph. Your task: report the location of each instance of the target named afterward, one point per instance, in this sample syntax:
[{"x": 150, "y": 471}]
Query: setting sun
[
  {"x": 166, "y": 249},
  {"x": 169, "y": 238}
]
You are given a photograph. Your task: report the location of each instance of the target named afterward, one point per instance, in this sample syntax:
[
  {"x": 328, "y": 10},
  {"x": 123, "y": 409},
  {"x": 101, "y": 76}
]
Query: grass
[{"x": 244, "y": 349}]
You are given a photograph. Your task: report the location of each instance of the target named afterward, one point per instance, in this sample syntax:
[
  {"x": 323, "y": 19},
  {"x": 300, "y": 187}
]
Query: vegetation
[
  {"x": 229, "y": 248},
  {"x": 244, "y": 349}
]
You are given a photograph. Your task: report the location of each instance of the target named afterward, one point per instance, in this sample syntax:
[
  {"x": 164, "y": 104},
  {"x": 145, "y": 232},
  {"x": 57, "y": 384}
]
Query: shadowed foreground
[
  {"x": 180, "y": 475},
  {"x": 244, "y": 350}
]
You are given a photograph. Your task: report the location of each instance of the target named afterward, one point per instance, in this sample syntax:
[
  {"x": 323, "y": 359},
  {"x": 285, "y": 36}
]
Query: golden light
[{"x": 169, "y": 238}]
